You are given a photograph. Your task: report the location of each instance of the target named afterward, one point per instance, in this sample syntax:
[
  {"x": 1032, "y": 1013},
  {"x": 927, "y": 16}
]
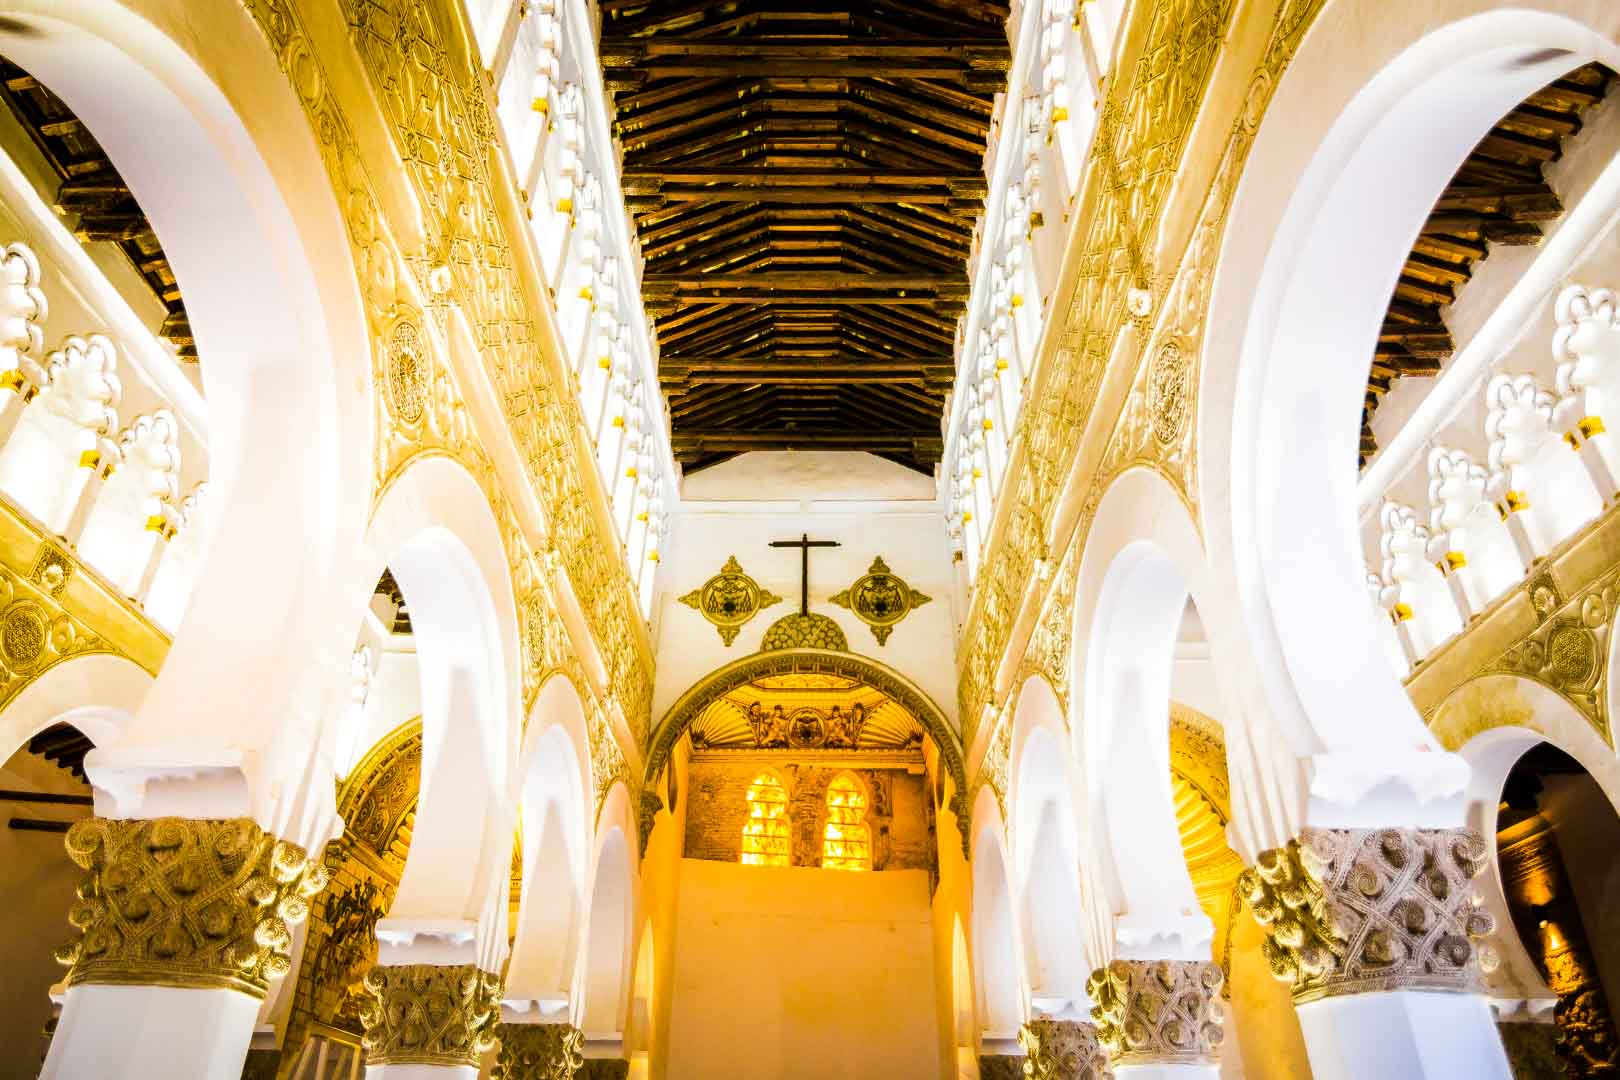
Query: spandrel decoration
[
  {"x": 880, "y": 599},
  {"x": 730, "y": 599}
]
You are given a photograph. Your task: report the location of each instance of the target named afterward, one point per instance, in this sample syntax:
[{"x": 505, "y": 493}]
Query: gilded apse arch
[{"x": 877, "y": 675}]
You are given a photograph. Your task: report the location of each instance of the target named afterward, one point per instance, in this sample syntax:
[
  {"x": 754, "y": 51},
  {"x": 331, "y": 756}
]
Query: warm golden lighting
[
  {"x": 765, "y": 833},
  {"x": 847, "y": 842}
]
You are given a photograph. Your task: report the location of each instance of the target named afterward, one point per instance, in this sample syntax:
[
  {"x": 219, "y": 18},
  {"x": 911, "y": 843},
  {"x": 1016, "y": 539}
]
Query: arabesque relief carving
[
  {"x": 1144, "y": 127},
  {"x": 539, "y": 1052},
  {"x": 1158, "y": 1011},
  {"x": 1354, "y": 911},
  {"x": 185, "y": 902},
  {"x": 430, "y": 1014},
  {"x": 1063, "y": 1050}
]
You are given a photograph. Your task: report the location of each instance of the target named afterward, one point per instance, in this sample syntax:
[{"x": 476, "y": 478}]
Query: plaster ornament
[
  {"x": 539, "y": 1052},
  {"x": 82, "y": 384},
  {"x": 804, "y": 631},
  {"x": 1457, "y": 498},
  {"x": 22, "y": 308},
  {"x": 182, "y": 902},
  {"x": 1587, "y": 348},
  {"x": 729, "y": 599},
  {"x": 880, "y": 600},
  {"x": 1063, "y": 1050},
  {"x": 1518, "y": 422},
  {"x": 1354, "y": 911},
  {"x": 1158, "y": 1011},
  {"x": 430, "y": 1014}
]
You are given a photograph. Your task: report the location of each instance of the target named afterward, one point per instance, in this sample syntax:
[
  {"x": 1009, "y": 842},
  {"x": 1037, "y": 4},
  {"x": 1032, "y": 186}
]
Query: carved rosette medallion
[
  {"x": 539, "y": 1052},
  {"x": 182, "y": 902},
  {"x": 880, "y": 599},
  {"x": 430, "y": 1014},
  {"x": 730, "y": 599},
  {"x": 406, "y": 372},
  {"x": 1167, "y": 384},
  {"x": 1063, "y": 1050},
  {"x": 1158, "y": 1011},
  {"x": 1355, "y": 911}
]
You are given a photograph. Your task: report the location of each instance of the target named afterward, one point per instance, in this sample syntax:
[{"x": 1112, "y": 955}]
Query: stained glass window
[
  {"x": 847, "y": 842},
  {"x": 765, "y": 833}
]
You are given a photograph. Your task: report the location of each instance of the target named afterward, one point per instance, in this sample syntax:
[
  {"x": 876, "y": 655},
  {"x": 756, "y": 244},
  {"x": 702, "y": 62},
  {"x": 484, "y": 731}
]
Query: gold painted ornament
[
  {"x": 880, "y": 599},
  {"x": 729, "y": 599}
]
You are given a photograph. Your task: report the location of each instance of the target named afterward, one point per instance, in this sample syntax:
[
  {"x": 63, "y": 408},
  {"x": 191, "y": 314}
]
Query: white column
[{"x": 151, "y": 1031}]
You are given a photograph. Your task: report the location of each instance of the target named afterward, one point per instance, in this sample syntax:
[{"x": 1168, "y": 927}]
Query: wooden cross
[{"x": 804, "y": 544}]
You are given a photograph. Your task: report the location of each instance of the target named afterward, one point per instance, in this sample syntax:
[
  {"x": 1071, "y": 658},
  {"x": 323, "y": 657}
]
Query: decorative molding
[
  {"x": 880, "y": 599},
  {"x": 1164, "y": 1012},
  {"x": 1063, "y": 1050},
  {"x": 430, "y": 1014},
  {"x": 729, "y": 599},
  {"x": 184, "y": 902},
  {"x": 539, "y": 1052},
  {"x": 1144, "y": 125},
  {"x": 380, "y": 793},
  {"x": 1357, "y": 911}
]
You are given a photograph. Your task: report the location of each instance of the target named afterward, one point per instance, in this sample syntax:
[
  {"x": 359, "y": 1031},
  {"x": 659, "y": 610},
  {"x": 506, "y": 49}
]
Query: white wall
[
  {"x": 802, "y": 974},
  {"x": 762, "y": 497}
]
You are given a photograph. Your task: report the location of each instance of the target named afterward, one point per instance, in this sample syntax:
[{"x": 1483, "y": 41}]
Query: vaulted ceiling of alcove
[{"x": 804, "y": 180}]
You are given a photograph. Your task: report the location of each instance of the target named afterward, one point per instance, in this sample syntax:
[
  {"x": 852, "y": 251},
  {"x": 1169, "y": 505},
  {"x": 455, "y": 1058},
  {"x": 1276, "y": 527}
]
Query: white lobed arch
[
  {"x": 554, "y": 811},
  {"x": 434, "y": 530},
  {"x": 1319, "y": 227}
]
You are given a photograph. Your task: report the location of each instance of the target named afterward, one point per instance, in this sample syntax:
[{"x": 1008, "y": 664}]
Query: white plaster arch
[
  {"x": 97, "y": 693},
  {"x": 994, "y": 940},
  {"x": 1046, "y": 856},
  {"x": 554, "y": 810},
  {"x": 1318, "y": 229},
  {"x": 1492, "y": 721},
  {"x": 194, "y": 110},
  {"x": 435, "y": 531},
  {"x": 602, "y": 973}
]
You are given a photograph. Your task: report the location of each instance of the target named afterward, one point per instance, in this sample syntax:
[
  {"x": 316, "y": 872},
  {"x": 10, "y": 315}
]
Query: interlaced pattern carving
[
  {"x": 430, "y": 1014},
  {"x": 1063, "y": 1050},
  {"x": 1159, "y": 1011}
]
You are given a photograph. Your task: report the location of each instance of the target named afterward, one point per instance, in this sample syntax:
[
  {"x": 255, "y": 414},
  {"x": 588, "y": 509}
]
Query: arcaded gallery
[{"x": 788, "y": 540}]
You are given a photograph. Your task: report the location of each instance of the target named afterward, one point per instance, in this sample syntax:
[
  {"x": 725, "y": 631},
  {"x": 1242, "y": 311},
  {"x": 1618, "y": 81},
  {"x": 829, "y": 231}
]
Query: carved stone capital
[
  {"x": 430, "y": 1014},
  {"x": 1063, "y": 1050},
  {"x": 1163, "y": 1012},
  {"x": 1355, "y": 911},
  {"x": 184, "y": 902},
  {"x": 539, "y": 1052}
]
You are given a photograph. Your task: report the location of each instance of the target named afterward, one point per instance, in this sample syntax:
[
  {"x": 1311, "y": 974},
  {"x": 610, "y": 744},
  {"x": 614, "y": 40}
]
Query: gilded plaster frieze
[
  {"x": 1063, "y": 1050},
  {"x": 1355, "y": 911},
  {"x": 434, "y": 107},
  {"x": 539, "y": 1052},
  {"x": 1145, "y": 124},
  {"x": 182, "y": 902}
]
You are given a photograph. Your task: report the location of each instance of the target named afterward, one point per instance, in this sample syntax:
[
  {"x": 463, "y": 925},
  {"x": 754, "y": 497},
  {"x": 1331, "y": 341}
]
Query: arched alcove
[
  {"x": 603, "y": 975},
  {"x": 995, "y": 937}
]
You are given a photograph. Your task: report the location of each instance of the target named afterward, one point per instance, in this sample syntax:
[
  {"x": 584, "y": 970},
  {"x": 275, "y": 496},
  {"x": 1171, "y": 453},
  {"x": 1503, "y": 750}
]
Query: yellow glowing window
[
  {"x": 765, "y": 833},
  {"x": 847, "y": 843}
]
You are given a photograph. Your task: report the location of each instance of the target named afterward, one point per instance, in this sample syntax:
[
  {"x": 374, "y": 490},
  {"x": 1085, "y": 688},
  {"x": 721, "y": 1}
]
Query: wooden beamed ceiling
[
  {"x": 1498, "y": 196},
  {"x": 804, "y": 181},
  {"x": 94, "y": 198}
]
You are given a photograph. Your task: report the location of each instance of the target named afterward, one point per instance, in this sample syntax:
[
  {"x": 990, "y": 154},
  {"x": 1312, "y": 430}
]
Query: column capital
[
  {"x": 1158, "y": 1011},
  {"x": 539, "y": 1052},
  {"x": 1063, "y": 1050},
  {"x": 430, "y": 1014},
  {"x": 1355, "y": 911},
  {"x": 186, "y": 902}
]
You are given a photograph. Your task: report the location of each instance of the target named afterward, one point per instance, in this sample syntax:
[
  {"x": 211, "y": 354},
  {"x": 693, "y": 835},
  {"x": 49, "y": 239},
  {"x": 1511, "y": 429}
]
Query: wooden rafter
[
  {"x": 1498, "y": 196},
  {"x": 805, "y": 183}
]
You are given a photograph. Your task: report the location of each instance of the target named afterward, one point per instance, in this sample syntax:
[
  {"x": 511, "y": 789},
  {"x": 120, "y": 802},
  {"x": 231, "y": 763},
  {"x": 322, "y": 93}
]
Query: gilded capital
[
  {"x": 1158, "y": 1011},
  {"x": 430, "y": 1014},
  {"x": 1354, "y": 911},
  {"x": 183, "y": 902},
  {"x": 539, "y": 1052},
  {"x": 1063, "y": 1050}
]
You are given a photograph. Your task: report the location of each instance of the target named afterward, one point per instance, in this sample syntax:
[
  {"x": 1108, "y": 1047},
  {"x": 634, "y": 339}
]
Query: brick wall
[{"x": 899, "y": 811}]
